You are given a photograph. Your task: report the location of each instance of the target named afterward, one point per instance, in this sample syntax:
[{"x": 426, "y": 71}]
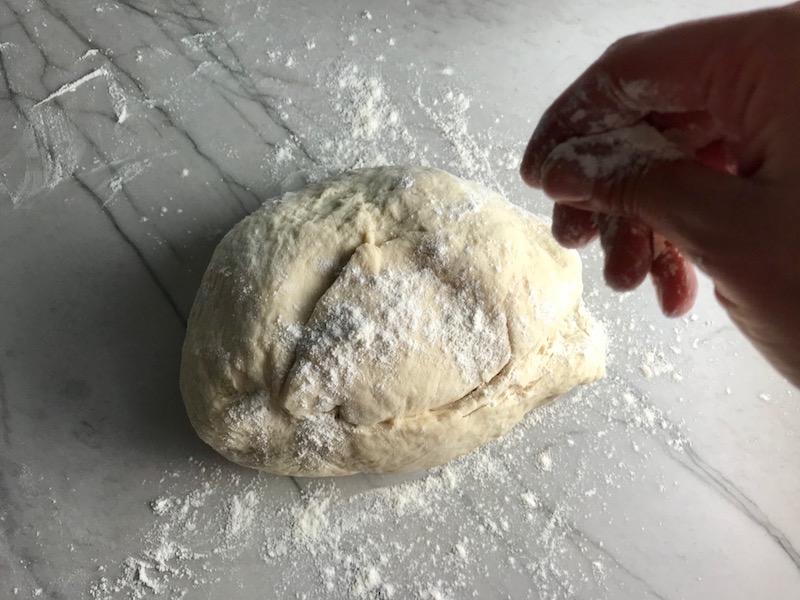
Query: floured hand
[{"x": 716, "y": 180}]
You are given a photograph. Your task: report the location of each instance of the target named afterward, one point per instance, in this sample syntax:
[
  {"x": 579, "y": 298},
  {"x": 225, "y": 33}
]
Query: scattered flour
[
  {"x": 310, "y": 518},
  {"x": 161, "y": 505},
  {"x": 374, "y": 125},
  {"x": 240, "y": 516},
  {"x": 545, "y": 462},
  {"x": 654, "y": 364},
  {"x": 359, "y": 537}
]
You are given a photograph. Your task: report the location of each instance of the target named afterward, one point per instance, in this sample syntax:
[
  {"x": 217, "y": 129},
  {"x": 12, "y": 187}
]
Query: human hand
[{"x": 726, "y": 92}]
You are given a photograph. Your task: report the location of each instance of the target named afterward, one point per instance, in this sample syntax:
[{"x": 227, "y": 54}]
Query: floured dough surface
[{"x": 388, "y": 320}]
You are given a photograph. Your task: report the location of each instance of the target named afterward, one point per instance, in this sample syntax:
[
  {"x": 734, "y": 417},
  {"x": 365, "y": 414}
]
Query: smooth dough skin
[{"x": 388, "y": 320}]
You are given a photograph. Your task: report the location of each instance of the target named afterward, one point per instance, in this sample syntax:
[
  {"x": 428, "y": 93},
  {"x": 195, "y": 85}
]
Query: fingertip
[
  {"x": 675, "y": 280},
  {"x": 529, "y": 169},
  {"x": 544, "y": 138},
  {"x": 628, "y": 251},
  {"x": 572, "y": 227},
  {"x": 624, "y": 276}
]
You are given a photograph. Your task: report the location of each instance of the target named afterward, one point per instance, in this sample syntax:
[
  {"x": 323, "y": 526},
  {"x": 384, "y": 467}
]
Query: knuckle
[
  {"x": 621, "y": 46},
  {"x": 623, "y": 191}
]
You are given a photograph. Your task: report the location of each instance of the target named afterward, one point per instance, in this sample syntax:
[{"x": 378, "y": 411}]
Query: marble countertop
[{"x": 136, "y": 132}]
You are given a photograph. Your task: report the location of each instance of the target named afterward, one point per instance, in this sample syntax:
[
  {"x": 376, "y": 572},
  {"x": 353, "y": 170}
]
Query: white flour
[
  {"x": 416, "y": 312},
  {"x": 375, "y": 130},
  {"x": 358, "y": 542},
  {"x": 603, "y": 154}
]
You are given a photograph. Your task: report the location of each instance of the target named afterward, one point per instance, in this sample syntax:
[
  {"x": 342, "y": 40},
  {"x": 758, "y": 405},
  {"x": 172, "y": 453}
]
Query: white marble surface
[{"x": 136, "y": 132}]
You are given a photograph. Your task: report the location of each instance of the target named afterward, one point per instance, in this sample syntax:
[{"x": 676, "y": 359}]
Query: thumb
[{"x": 701, "y": 210}]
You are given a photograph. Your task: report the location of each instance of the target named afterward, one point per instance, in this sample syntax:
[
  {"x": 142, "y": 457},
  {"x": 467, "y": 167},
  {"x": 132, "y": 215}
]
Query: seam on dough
[
  {"x": 293, "y": 361},
  {"x": 501, "y": 373},
  {"x": 378, "y": 244}
]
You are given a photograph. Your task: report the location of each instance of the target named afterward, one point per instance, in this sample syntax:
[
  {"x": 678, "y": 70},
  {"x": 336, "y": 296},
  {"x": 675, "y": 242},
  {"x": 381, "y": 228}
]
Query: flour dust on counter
[
  {"x": 420, "y": 117},
  {"x": 524, "y": 506},
  {"x": 376, "y": 128}
]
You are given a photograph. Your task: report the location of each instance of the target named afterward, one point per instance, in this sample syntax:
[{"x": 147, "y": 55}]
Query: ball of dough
[{"x": 388, "y": 320}]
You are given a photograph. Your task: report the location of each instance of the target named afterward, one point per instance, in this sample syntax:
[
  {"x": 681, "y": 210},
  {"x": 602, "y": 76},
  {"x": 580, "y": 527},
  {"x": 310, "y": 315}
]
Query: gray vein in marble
[
  {"x": 155, "y": 15},
  {"x": 271, "y": 113},
  {"x": 4, "y": 71},
  {"x": 236, "y": 69},
  {"x": 574, "y": 531},
  {"x": 60, "y": 168},
  {"x": 134, "y": 7},
  {"x": 250, "y": 90},
  {"x": 5, "y": 413},
  {"x": 229, "y": 182},
  {"x": 115, "y": 172},
  {"x": 31, "y": 37},
  {"x": 728, "y": 490},
  {"x": 570, "y": 530},
  {"x": 234, "y": 187},
  {"x": 154, "y": 276},
  {"x": 10, "y": 528},
  {"x": 52, "y": 161}
]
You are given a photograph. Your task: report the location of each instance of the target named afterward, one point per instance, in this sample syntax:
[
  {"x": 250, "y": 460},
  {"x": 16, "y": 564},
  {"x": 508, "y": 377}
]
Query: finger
[
  {"x": 698, "y": 66},
  {"x": 628, "y": 247},
  {"x": 674, "y": 278},
  {"x": 689, "y": 130},
  {"x": 572, "y": 227},
  {"x": 704, "y": 212}
]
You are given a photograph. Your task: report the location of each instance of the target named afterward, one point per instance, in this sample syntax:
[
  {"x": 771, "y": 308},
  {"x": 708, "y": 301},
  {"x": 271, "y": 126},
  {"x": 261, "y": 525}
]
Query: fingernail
[{"x": 569, "y": 180}]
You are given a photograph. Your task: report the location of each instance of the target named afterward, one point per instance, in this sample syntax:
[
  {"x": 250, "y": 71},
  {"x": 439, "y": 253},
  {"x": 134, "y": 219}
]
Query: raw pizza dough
[{"x": 388, "y": 320}]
